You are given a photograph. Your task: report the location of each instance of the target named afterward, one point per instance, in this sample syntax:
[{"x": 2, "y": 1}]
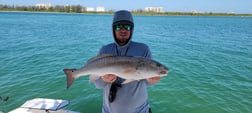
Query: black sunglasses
[{"x": 119, "y": 27}]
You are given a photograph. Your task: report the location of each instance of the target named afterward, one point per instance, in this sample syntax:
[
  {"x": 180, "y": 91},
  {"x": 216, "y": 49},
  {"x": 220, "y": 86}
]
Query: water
[{"x": 209, "y": 57}]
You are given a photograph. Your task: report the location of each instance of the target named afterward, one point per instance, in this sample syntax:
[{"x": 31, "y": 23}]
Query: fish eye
[{"x": 158, "y": 64}]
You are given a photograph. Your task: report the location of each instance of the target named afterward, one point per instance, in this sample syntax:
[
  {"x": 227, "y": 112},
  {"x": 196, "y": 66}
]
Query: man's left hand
[{"x": 153, "y": 80}]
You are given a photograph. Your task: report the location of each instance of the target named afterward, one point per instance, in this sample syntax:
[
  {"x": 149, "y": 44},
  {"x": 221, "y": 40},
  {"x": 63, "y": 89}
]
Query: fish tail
[{"x": 69, "y": 76}]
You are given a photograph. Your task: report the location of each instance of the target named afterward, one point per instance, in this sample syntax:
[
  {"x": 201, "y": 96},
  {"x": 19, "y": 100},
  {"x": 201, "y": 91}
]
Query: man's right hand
[{"x": 110, "y": 78}]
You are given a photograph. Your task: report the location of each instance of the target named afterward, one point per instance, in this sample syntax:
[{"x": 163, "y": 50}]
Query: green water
[{"x": 209, "y": 57}]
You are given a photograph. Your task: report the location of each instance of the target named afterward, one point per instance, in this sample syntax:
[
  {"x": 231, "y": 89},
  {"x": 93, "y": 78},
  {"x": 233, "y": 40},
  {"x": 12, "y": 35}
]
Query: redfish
[{"x": 129, "y": 68}]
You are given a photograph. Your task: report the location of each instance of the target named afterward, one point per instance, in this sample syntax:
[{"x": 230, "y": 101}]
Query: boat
[{"x": 43, "y": 105}]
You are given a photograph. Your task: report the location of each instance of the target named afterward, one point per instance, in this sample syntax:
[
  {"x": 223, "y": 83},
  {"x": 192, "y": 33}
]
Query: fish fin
[
  {"x": 99, "y": 57},
  {"x": 128, "y": 81},
  {"x": 92, "y": 78},
  {"x": 70, "y": 78}
]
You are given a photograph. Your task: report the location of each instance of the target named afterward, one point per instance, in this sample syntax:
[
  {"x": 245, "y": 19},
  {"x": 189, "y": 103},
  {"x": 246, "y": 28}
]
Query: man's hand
[
  {"x": 153, "y": 80},
  {"x": 110, "y": 78}
]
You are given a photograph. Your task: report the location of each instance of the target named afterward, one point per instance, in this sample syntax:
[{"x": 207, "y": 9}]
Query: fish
[{"x": 126, "y": 67}]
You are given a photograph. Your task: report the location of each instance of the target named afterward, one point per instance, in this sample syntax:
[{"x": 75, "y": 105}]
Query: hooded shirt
[
  {"x": 122, "y": 16},
  {"x": 131, "y": 97}
]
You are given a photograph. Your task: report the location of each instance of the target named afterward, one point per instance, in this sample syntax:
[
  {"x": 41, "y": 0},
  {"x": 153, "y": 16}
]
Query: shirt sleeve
[
  {"x": 99, "y": 83},
  {"x": 101, "y": 51},
  {"x": 148, "y": 54}
]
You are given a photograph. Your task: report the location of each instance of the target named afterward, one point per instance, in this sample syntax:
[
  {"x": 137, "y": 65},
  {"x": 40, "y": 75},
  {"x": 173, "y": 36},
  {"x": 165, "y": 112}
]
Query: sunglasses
[{"x": 119, "y": 27}]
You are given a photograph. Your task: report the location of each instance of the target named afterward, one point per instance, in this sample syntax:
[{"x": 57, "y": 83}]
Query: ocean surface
[{"x": 210, "y": 60}]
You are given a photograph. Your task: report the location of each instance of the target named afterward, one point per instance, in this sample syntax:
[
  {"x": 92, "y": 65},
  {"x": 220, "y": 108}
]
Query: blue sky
[{"x": 224, "y": 6}]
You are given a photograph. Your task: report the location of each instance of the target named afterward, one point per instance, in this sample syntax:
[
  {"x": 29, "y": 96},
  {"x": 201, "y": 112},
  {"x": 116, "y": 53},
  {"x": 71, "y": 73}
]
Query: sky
[{"x": 215, "y": 6}]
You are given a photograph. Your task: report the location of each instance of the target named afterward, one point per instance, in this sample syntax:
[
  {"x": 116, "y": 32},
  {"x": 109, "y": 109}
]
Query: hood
[{"x": 123, "y": 16}]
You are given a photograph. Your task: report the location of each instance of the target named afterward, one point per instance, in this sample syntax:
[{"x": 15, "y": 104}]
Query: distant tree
[
  {"x": 59, "y": 8},
  {"x": 67, "y": 9},
  {"x": 78, "y": 9}
]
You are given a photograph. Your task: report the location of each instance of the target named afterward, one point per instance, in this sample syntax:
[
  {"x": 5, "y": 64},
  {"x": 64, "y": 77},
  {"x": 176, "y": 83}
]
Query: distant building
[
  {"x": 100, "y": 9},
  {"x": 90, "y": 9},
  {"x": 195, "y": 12},
  {"x": 97, "y": 9},
  {"x": 43, "y": 5},
  {"x": 154, "y": 9}
]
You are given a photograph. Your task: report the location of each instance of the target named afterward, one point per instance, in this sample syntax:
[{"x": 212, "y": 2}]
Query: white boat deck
[
  {"x": 42, "y": 105},
  {"x": 26, "y": 110}
]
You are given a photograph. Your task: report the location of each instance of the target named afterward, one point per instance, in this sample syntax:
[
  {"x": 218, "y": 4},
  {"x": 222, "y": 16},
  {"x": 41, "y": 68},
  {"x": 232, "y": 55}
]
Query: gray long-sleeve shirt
[{"x": 131, "y": 97}]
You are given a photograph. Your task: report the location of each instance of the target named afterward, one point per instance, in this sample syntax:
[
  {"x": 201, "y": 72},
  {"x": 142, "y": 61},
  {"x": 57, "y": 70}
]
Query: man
[{"x": 131, "y": 97}]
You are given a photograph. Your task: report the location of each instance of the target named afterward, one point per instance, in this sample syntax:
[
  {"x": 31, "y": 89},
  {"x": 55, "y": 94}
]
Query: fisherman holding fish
[
  {"x": 131, "y": 97},
  {"x": 123, "y": 70}
]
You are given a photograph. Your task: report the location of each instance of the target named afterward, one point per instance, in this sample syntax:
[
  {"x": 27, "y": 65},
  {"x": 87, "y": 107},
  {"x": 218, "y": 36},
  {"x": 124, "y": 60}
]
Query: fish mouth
[{"x": 162, "y": 72}]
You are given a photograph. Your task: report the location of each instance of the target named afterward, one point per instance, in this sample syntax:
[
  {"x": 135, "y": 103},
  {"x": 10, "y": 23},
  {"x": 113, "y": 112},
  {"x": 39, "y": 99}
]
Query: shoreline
[{"x": 140, "y": 13}]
